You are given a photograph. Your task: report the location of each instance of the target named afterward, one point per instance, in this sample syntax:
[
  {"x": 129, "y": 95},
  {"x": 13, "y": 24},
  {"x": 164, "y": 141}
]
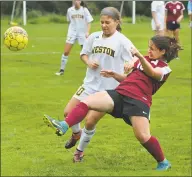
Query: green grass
[{"x": 29, "y": 89}]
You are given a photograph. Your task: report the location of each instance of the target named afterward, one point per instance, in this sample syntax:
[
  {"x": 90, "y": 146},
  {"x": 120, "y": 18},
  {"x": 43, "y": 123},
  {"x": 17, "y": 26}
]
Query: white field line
[{"x": 43, "y": 53}]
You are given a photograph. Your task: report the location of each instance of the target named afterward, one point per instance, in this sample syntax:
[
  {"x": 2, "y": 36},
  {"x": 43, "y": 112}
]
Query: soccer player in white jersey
[
  {"x": 106, "y": 49},
  {"x": 158, "y": 17},
  {"x": 79, "y": 19}
]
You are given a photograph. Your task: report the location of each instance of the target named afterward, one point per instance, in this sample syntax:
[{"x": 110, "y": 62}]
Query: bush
[
  {"x": 34, "y": 14},
  {"x": 57, "y": 18}
]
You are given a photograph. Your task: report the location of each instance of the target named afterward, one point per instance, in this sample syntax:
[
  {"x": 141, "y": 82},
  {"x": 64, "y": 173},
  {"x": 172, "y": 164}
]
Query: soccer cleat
[
  {"x": 78, "y": 156},
  {"x": 55, "y": 124},
  {"x": 165, "y": 165},
  {"x": 61, "y": 72},
  {"x": 73, "y": 140}
]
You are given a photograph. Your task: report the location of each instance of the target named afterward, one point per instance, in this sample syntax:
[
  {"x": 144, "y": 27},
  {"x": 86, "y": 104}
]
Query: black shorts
[
  {"x": 125, "y": 107},
  {"x": 172, "y": 25}
]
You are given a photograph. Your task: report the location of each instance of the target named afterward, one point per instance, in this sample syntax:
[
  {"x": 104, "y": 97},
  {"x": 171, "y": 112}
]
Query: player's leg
[
  {"x": 87, "y": 133},
  {"x": 141, "y": 130},
  {"x": 100, "y": 101},
  {"x": 169, "y": 29},
  {"x": 91, "y": 120},
  {"x": 81, "y": 40},
  {"x": 169, "y": 33},
  {"x": 80, "y": 94},
  {"x": 64, "y": 57},
  {"x": 76, "y": 129},
  {"x": 176, "y": 35}
]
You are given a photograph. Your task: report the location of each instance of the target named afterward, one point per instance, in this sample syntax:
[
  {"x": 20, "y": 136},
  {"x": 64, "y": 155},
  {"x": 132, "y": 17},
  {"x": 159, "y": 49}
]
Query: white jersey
[
  {"x": 78, "y": 20},
  {"x": 111, "y": 53},
  {"x": 159, "y": 8}
]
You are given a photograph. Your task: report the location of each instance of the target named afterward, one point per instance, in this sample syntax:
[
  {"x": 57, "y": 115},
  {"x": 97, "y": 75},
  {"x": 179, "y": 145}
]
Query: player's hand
[
  {"x": 93, "y": 64},
  {"x": 87, "y": 35},
  {"x": 128, "y": 66},
  {"x": 135, "y": 52},
  {"x": 107, "y": 73},
  {"x": 178, "y": 21},
  {"x": 158, "y": 26}
]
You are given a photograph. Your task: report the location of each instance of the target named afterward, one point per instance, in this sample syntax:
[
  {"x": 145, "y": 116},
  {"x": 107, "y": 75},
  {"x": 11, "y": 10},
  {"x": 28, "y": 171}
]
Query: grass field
[{"x": 29, "y": 89}]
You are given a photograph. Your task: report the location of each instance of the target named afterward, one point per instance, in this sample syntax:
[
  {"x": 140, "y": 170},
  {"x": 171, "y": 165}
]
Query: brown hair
[
  {"x": 114, "y": 14},
  {"x": 168, "y": 44}
]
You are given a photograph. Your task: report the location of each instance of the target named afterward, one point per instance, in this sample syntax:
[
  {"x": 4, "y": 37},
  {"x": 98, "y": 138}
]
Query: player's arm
[
  {"x": 88, "y": 29},
  {"x": 89, "y": 19},
  {"x": 108, "y": 73},
  {"x": 155, "y": 73},
  {"x": 68, "y": 16},
  {"x": 180, "y": 17},
  {"x": 91, "y": 64}
]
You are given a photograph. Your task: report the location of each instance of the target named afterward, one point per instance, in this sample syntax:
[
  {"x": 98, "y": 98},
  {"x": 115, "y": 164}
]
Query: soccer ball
[{"x": 15, "y": 38}]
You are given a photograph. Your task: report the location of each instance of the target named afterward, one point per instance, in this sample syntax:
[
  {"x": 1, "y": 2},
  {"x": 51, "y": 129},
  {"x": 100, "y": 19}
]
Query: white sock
[
  {"x": 86, "y": 136},
  {"x": 64, "y": 60},
  {"x": 76, "y": 128}
]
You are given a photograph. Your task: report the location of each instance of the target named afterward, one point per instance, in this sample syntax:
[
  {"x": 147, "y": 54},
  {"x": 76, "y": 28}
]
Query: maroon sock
[
  {"x": 154, "y": 148},
  {"x": 77, "y": 114}
]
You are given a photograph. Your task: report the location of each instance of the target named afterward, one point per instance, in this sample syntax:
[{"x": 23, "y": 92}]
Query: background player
[
  {"x": 173, "y": 16},
  {"x": 107, "y": 49},
  {"x": 132, "y": 99},
  {"x": 158, "y": 17},
  {"x": 189, "y": 7},
  {"x": 79, "y": 19}
]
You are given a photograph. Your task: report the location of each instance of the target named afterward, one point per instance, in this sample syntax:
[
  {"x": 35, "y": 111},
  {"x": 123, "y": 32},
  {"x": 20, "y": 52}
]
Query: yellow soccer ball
[{"x": 15, "y": 38}]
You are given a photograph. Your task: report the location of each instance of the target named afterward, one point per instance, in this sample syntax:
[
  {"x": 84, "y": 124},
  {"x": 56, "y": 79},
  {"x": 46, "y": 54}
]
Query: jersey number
[{"x": 79, "y": 91}]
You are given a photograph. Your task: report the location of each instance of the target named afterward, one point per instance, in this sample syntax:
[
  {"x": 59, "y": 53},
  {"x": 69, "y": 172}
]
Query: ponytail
[
  {"x": 83, "y": 4},
  {"x": 119, "y": 28}
]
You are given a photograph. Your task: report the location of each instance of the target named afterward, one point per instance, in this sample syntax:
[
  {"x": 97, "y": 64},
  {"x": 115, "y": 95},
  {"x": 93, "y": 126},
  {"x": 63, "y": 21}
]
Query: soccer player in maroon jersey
[
  {"x": 173, "y": 16},
  {"x": 131, "y": 100}
]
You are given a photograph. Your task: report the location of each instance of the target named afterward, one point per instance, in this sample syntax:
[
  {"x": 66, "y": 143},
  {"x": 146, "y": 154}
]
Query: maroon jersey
[
  {"x": 141, "y": 87},
  {"x": 174, "y": 10}
]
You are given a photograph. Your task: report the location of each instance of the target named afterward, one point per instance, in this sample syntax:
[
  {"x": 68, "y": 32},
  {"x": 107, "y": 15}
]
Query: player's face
[
  {"x": 108, "y": 25},
  {"x": 154, "y": 52},
  {"x": 76, "y": 3}
]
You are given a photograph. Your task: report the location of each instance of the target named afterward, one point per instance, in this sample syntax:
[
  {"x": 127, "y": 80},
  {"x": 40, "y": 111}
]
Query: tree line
[{"x": 60, "y": 7}]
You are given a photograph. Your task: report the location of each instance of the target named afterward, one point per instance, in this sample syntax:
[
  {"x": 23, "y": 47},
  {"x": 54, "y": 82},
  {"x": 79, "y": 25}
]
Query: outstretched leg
[{"x": 100, "y": 101}]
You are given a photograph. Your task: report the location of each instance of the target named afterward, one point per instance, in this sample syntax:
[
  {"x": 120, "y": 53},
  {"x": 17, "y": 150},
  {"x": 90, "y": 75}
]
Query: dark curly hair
[{"x": 170, "y": 45}]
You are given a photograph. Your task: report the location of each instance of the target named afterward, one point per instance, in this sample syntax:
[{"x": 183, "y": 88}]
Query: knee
[
  {"x": 66, "y": 53},
  {"x": 65, "y": 113},
  {"x": 90, "y": 124},
  {"x": 142, "y": 137}
]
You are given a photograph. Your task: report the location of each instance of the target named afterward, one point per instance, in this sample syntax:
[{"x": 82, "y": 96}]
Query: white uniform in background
[
  {"x": 78, "y": 20},
  {"x": 111, "y": 53},
  {"x": 159, "y": 8}
]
